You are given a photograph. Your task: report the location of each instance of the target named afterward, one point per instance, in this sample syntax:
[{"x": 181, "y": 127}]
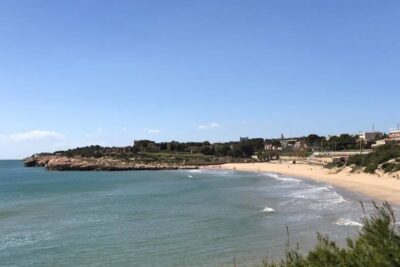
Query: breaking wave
[
  {"x": 280, "y": 178},
  {"x": 268, "y": 210},
  {"x": 318, "y": 197},
  {"x": 348, "y": 222},
  {"x": 288, "y": 179},
  {"x": 270, "y": 174}
]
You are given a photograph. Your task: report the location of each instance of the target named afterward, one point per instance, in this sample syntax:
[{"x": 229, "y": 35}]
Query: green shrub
[
  {"x": 389, "y": 167},
  {"x": 356, "y": 160},
  {"x": 379, "y": 156},
  {"x": 378, "y": 244},
  {"x": 371, "y": 168}
]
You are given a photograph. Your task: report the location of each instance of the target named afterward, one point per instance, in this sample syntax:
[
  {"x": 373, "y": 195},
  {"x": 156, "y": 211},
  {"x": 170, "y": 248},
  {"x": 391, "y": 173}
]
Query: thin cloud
[
  {"x": 153, "y": 131},
  {"x": 209, "y": 126},
  {"x": 36, "y": 135},
  {"x": 99, "y": 132}
]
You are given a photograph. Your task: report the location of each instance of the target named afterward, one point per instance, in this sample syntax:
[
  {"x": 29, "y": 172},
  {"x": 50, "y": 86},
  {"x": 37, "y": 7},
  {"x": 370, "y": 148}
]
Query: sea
[{"x": 165, "y": 218}]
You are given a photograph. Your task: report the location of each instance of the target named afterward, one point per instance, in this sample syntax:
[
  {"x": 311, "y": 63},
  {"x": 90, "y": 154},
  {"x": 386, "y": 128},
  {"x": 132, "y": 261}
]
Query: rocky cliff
[{"x": 64, "y": 163}]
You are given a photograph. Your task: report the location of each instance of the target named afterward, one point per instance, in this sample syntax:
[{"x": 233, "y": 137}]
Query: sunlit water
[{"x": 163, "y": 218}]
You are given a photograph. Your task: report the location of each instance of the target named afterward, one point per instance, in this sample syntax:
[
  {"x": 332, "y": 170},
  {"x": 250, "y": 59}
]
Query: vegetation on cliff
[
  {"x": 243, "y": 149},
  {"x": 145, "y": 155},
  {"x": 378, "y": 244}
]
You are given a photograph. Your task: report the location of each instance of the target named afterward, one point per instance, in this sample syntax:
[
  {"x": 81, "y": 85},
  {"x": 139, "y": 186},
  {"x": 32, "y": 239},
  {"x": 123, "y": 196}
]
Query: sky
[{"x": 75, "y": 73}]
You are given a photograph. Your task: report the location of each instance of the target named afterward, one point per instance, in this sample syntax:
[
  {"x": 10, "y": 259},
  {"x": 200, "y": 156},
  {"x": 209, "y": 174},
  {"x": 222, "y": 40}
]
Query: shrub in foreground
[{"x": 378, "y": 244}]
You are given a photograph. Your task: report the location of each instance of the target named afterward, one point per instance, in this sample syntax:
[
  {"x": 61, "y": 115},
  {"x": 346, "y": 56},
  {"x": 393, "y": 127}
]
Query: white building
[
  {"x": 394, "y": 135},
  {"x": 370, "y": 136},
  {"x": 379, "y": 143}
]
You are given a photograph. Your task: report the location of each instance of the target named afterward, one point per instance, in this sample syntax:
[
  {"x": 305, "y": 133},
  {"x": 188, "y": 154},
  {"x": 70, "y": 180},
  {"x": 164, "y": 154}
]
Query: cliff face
[
  {"x": 64, "y": 163},
  {"x": 37, "y": 161}
]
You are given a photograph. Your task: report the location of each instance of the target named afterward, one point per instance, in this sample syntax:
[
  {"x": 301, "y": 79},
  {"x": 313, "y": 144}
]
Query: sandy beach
[{"x": 379, "y": 188}]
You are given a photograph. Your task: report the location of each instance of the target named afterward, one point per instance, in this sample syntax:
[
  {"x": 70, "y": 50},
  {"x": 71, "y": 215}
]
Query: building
[
  {"x": 370, "y": 136},
  {"x": 270, "y": 147},
  {"x": 244, "y": 139},
  {"x": 300, "y": 145},
  {"x": 146, "y": 146},
  {"x": 153, "y": 147},
  {"x": 379, "y": 143},
  {"x": 288, "y": 144},
  {"x": 394, "y": 136}
]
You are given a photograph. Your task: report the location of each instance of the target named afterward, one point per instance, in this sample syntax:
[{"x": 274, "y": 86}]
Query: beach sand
[{"x": 379, "y": 188}]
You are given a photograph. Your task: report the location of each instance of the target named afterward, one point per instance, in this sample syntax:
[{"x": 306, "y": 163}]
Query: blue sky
[{"x": 85, "y": 72}]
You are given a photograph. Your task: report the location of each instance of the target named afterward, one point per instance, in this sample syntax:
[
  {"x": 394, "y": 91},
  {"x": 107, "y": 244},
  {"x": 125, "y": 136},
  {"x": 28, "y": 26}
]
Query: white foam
[
  {"x": 273, "y": 175},
  {"x": 322, "y": 197},
  {"x": 268, "y": 209},
  {"x": 339, "y": 199},
  {"x": 288, "y": 179},
  {"x": 280, "y": 178},
  {"x": 23, "y": 238},
  {"x": 348, "y": 222},
  {"x": 190, "y": 176},
  {"x": 310, "y": 193}
]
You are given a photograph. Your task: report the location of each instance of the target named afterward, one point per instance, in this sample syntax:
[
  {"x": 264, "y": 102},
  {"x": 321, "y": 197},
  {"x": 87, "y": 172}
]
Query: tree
[
  {"x": 246, "y": 149},
  {"x": 342, "y": 142},
  {"x": 235, "y": 152},
  {"x": 207, "y": 150},
  {"x": 222, "y": 150},
  {"x": 276, "y": 143},
  {"x": 313, "y": 140}
]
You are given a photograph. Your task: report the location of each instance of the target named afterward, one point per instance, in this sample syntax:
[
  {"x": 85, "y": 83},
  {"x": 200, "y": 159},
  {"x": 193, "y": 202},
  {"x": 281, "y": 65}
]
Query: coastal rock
[
  {"x": 37, "y": 161},
  {"x": 64, "y": 163}
]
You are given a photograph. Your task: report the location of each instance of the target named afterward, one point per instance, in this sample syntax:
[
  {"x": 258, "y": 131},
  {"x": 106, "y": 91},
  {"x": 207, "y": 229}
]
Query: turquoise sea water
[{"x": 162, "y": 218}]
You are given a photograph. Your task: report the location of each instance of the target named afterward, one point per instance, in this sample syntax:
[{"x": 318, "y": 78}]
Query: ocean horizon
[{"x": 165, "y": 218}]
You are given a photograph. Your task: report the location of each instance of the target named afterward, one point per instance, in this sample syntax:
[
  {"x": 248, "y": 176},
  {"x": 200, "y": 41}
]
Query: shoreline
[{"x": 379, "y": 188}]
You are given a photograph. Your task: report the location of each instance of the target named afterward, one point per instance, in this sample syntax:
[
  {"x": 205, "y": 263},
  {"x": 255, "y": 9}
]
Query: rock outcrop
[{"x": 77, "y": 163}]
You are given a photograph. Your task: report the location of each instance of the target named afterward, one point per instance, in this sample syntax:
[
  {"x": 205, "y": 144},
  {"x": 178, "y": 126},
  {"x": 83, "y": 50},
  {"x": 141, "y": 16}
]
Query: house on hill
[
  {"x": 146, "y": 146},
  {"x": 370, "y": 136},
  {"x": 394, "y": 136}
]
